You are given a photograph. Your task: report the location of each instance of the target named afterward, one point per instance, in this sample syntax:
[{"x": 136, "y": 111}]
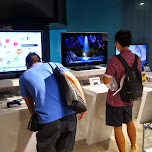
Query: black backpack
[{"x": 132, "y": 87}]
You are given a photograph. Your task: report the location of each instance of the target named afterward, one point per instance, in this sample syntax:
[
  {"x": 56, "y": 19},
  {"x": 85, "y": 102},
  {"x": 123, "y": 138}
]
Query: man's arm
[
  {"x": 75, "y": 81},
  {"x": 30, "y": 104},
  {"x": 110, "y": 71}
]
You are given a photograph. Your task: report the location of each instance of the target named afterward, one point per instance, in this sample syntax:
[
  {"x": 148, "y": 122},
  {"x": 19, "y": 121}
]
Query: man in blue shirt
[{"x": 57, "y": 122}]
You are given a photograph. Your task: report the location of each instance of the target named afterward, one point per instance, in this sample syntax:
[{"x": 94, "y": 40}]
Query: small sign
[{"x": 95, "y": 81}]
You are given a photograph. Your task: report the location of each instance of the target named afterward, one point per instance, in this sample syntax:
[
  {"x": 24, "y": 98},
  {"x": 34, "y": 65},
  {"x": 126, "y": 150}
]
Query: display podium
[
  {"x": 145, "y": 111},
  {"x": 97, "y": 129}
]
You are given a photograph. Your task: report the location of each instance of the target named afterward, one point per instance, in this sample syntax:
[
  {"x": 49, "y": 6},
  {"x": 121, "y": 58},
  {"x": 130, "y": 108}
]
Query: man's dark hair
[
  {"x": 32, "y": 58},
  {"x": 124, "y": 37}
]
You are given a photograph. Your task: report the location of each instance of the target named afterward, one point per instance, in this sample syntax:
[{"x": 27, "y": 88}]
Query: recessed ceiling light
[{"x": 141, "y": 3}]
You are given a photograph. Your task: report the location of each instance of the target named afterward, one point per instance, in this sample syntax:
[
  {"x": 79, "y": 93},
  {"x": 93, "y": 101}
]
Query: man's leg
[
  {"x": 120, "y": 140},
  {"x": 66, "y": 141},
  {"x": 48, "y": 135},
  {"x": 114, "y": 117},
  {"x": 130, "y": 126},
  {"x": 132, "y": 134}
]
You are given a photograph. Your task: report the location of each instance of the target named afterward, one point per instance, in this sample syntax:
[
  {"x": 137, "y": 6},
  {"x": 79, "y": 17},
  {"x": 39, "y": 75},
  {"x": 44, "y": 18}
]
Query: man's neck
[
  {"x": 34, "y": 64},
  {"x": 124, "y": 48}
]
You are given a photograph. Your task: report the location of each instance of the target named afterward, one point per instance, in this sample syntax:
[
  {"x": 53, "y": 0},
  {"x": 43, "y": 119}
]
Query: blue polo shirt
[{"x": 40, "y": 83}]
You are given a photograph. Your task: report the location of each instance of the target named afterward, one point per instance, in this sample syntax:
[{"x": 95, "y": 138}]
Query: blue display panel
[
  {"x": 84, "y": 48},
  {"x": 139, "y": 49}
]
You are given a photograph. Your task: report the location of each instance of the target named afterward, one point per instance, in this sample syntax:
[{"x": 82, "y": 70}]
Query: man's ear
[
  {"x": 118, "y": 46},
  {"x": 28, "y": 67}
]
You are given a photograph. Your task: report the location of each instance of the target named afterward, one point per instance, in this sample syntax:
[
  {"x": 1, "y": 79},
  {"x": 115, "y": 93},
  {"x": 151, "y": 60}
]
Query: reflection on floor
[{"x": 110, "y": 145}]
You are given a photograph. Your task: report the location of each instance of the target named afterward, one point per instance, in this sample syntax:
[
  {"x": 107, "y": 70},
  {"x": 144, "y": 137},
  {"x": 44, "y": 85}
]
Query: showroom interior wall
[
  {"x": 96, "y": 16},
  {"x": 138, "y": 19},
  {"x": 55, "y": 30},
  {"x": 111, "y": 16}
]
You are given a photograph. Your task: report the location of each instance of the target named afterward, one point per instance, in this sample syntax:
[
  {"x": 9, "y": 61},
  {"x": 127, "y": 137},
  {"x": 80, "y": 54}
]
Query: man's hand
[
  {"x": 80, "y": 115},
  {"x": 106, "y": 80}
]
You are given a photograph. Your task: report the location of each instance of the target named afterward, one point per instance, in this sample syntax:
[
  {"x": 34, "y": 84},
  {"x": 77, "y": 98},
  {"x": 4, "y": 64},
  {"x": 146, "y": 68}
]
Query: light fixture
[{"x": 141, "y": 3}]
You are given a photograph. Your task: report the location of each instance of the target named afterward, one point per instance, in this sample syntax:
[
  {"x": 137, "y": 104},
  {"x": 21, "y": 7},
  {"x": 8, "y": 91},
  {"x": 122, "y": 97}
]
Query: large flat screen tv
[
  {"x": 14, "y": 47},
  {"x": 32, "y": 11},
  {"x": 139, "y": 49},
  {"x": 80, "y": 49}
]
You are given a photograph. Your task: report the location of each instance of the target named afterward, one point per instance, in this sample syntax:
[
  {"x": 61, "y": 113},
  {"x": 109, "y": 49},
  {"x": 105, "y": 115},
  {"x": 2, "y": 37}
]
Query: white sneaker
[{"x": 136, "y": 150}]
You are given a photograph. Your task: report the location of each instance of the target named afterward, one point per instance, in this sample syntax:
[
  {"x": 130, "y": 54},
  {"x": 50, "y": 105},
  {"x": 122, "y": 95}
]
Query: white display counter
[
  {"x": 82, "y": 73},
  {"x": 14, "y": 136},
  {"x": 145, "y": 111},
  {"x": 9, "y": 83},
  {"x": 97, "y": 130}
]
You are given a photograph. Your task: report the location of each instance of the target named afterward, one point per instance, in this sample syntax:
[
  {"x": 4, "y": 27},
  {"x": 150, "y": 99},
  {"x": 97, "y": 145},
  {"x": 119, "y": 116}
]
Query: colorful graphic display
[{"x": 14, "y": 47}]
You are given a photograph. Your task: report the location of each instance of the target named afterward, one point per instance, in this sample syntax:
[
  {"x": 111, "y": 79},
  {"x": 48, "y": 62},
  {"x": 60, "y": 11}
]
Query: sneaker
[{"x": 136, "y": 150}]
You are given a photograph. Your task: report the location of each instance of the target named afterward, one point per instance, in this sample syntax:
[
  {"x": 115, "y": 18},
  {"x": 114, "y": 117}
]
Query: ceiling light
[{"x": 141, "y": 3}]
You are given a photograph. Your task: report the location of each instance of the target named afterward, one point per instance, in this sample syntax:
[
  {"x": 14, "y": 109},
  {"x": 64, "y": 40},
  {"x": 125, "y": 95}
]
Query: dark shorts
[
  {"x": 115, "y": 116},
  {"x": 57, "y": 136}
]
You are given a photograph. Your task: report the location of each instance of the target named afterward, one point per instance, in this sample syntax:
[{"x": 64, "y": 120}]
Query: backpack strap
[
  {"x": 125, "y": 64},
  {"x": 135, "y": 62},
  {"x": 50, "y": 65},
  {"x": 56, "y": 65},
  {"x": 122, "y": 60}
]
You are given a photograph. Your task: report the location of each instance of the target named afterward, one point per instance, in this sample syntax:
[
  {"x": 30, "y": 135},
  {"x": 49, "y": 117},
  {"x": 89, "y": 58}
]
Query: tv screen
[
  {"x": 79, "y": 49},
  {"x": 32, "y": 11},
  {"x": 14, "y": 47},
  {"x": 139, "y": 49}
]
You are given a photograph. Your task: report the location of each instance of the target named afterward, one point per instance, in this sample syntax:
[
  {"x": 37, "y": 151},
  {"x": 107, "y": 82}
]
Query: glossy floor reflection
[{"x": 110, "y": 145}]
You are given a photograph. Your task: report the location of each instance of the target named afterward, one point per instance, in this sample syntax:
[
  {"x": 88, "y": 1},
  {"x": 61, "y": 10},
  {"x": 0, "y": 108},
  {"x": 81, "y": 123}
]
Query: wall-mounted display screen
[
  {"x": 139, "y": 49},
  {"x": 14, "y": 47},
  {"x": 89, "y": 48}
]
